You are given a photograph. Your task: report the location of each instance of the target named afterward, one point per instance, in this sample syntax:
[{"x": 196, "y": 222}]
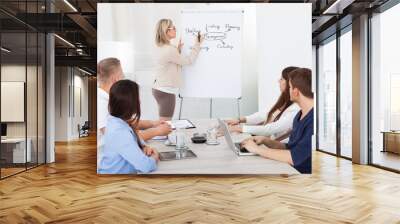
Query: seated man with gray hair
[{"x": 109, "y": 71}]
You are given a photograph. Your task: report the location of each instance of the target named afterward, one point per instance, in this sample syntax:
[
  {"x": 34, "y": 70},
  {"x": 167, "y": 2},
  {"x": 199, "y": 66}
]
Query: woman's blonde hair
[{"x": 161, "y": 31}]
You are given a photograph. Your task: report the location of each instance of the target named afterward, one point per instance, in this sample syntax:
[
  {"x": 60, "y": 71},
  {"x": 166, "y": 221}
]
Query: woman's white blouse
[{"x": 274, "y": 129}]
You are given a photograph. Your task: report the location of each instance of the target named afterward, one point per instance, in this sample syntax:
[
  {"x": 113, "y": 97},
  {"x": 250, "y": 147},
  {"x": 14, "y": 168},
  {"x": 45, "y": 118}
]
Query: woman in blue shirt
[{"x": 123, "y": 152}]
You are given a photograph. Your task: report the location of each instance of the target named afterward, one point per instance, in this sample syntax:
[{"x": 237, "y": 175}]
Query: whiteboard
[
  {"x": 216, "y": 73},
  {"x": 12, "y": 101}
]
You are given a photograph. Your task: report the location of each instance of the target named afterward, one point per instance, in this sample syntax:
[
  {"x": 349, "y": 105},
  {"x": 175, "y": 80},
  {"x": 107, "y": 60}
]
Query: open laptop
[
  {"x": 3, "y": 131},
  {"x": 235, "y": 146}
]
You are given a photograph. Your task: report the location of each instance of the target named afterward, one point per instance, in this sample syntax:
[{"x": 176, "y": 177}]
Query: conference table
[{"x": 216, "y": 159}]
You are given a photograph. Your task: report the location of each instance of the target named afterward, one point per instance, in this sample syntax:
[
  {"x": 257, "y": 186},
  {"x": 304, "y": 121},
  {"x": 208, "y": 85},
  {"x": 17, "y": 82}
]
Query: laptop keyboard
[{"x": 241, "y": 148}]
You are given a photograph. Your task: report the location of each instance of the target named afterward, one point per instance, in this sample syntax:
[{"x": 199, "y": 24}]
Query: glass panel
[
  {"x": 31, "y": 98},
  {"x": 346, "y": 94},
  {"x": 327, "y": 97},
  {"x": 385, "y": 85},
  {"x": 13, "y": 87},
  {"x": 23, "y": 88},
  {"x": 41, "y": 98}
]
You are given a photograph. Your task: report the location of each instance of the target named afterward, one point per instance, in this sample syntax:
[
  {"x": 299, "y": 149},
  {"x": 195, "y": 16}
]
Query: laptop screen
[
  {"x": 227, "y": 135},
  {"x": 3, "y": 129}
]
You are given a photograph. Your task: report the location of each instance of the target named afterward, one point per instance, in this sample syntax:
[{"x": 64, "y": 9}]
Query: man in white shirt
[{"x": 109, "y": 71}]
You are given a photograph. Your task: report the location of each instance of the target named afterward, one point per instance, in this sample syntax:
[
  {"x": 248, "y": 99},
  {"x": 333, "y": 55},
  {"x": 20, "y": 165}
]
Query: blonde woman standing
[{"x": 168, "y": 77}]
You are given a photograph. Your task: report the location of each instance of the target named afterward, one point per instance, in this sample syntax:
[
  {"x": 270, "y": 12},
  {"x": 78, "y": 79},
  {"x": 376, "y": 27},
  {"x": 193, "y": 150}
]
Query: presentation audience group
[{"x": 284, "y": 133}]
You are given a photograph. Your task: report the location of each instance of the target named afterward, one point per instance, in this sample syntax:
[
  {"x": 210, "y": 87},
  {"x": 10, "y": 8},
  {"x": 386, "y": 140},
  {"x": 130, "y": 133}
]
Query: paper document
[
  {"x": 160, "y": 137},
  {"x": 181, "y": 124}
]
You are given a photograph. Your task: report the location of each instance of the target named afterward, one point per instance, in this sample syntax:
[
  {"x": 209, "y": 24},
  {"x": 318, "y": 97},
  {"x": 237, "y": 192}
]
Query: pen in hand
[{"x": 198, "y": 36}]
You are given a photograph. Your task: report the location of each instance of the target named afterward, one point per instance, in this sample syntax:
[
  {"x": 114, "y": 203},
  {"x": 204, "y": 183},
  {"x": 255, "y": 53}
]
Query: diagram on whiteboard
[
  {"x": 215, "y": 35},
  {"x": 216, "y": 72}
]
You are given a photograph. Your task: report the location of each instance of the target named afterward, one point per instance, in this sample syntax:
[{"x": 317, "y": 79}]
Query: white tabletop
[
  {"x": 13, "y": 140},
  {"x": 216, "y": 159}
]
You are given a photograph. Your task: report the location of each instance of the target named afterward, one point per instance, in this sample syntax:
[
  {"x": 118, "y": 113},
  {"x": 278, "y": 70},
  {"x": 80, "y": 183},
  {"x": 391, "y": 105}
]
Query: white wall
[
  {"x": 80, "y": 83},
  {"x": 12, "y": 101},
  {"x": 66, "y": 85},
  {"x": 61, "y": 103},
  {"x": 284, "y": 39}
]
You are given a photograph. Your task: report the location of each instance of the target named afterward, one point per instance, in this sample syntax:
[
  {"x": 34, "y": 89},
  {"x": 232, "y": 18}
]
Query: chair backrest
[{"x": 86, "y": 125}]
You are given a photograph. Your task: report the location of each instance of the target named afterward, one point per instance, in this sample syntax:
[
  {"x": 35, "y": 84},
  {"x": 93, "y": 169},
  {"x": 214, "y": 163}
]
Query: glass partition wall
[
  {"x": 385, "y": 90},
  {"x": 22, "y": 78},
  {"x": 334, "y": 92},
  {"x": 334, "y": 95},
  {"x": 327, "y": 96},
  {"x": 345, "y": 62}
]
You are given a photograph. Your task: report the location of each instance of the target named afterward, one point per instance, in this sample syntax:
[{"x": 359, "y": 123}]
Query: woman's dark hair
[
  {"x": 124, "y": 103},
  {"x": 284, "y": 99}
]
